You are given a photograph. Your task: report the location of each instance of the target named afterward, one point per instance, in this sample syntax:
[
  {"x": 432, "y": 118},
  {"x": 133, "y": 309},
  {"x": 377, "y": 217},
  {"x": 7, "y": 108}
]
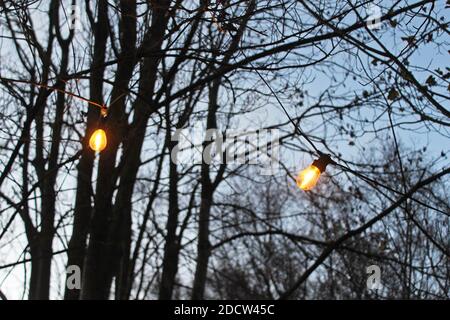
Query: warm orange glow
[
  {"x": 97, "y": 142},
  {"x": 307, "y": 179}
]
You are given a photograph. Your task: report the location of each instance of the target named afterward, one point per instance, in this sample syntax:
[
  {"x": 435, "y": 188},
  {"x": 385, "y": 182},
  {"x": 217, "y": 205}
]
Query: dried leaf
[
  {"x": 411, "y": 40},
  {"x": 393, "y": 94},
  {"x": 431, "y": 81}
]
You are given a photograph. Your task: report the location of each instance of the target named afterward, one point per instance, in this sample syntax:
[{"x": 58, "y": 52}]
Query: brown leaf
[
  {"x": 431, "y": 81},
  {"x": 411, "y": 40},
  {"x": 393, "y": 94}
]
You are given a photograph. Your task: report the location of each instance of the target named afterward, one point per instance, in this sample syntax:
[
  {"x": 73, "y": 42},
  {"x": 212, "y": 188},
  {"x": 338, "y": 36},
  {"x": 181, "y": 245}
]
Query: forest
[{"x": 224, "y": 149}]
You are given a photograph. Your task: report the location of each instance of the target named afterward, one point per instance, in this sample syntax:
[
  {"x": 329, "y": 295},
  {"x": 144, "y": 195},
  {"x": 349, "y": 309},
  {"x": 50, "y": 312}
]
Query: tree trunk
[
  {"x": 98, "y": 262},
  {"x": 83, "y": 208},
  {"x": 130, "y": 162},
  {"x": 203, "y": 245},
  {"x": 172, "y": 244},
  {"x": 41, "y": 250},
  {"x": 208, "y": 187}
]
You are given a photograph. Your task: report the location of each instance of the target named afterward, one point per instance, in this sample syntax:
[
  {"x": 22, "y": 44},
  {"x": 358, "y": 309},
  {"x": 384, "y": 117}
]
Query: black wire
[
  {"x": 284, "y": 109},
  {"x": 372, "y": 181},
  {"x": 297, "y": 129}
]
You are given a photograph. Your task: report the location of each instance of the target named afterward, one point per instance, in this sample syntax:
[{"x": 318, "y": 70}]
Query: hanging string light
[
  {"x": 98, "y": 140},
  {"x": 307, "y": 178}
]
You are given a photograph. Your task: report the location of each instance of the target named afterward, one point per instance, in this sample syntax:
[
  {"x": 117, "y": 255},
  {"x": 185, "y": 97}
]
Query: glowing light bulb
[
  {"x": 98, "y": 141},
  {"x": 307, "y": 179}
]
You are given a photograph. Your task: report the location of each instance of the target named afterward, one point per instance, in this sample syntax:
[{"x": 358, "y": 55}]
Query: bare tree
[{"x": 333, "y": 77}]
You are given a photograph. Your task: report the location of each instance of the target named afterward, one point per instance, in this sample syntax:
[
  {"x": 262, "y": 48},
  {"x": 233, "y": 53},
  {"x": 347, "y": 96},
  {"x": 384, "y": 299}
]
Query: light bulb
[
  {"x": 307, "y": 179},
  {"x": 98, "y": 141}
]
